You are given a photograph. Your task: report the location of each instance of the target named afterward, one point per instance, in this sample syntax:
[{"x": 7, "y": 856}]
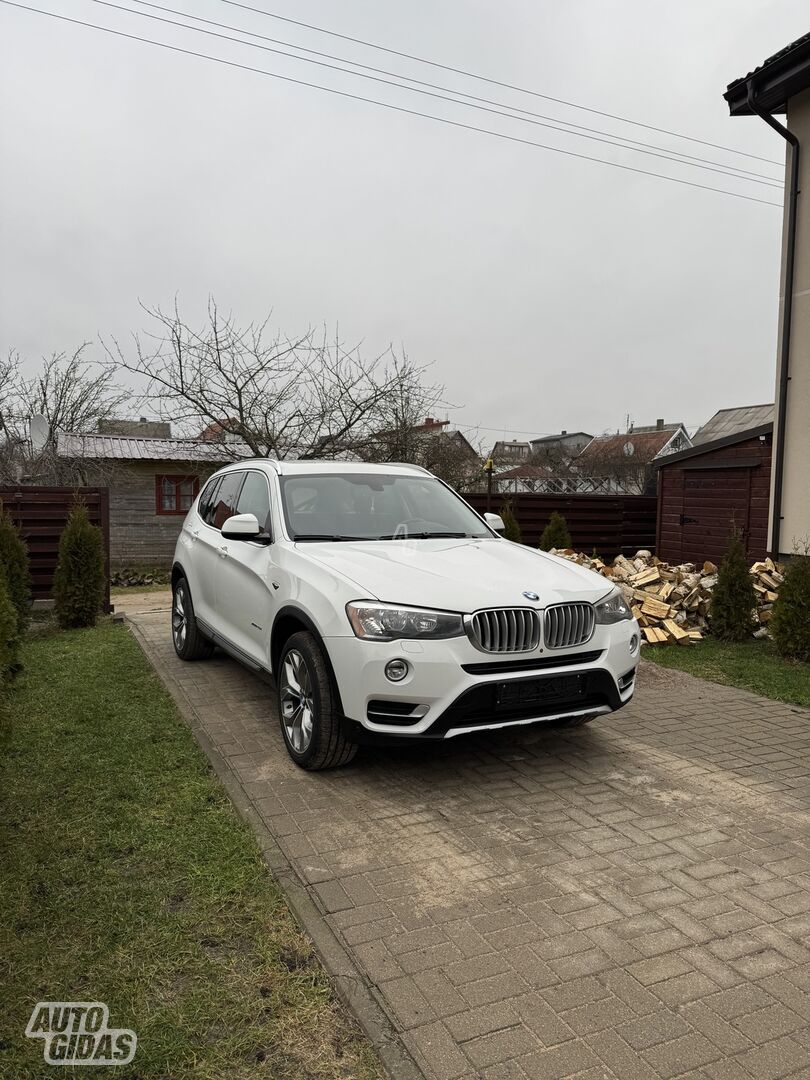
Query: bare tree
[
  {"x": 305, "y": 396},
  {"x": 71, "y": 393}
]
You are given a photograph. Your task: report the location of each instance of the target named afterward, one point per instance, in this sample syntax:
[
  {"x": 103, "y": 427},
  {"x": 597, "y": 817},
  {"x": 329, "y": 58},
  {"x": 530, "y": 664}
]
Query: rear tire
[
  {"x": 189, "y": 641},
  {"x": 309, "y": 712}
]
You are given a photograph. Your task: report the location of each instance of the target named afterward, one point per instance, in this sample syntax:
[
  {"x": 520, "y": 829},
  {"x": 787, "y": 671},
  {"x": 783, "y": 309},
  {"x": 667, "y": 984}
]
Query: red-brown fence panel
[
  {"x": 41, "y": 513},
  {"x": 609, "y": 524}
]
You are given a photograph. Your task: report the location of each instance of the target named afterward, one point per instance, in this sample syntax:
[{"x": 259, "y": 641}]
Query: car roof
[{"x": 314, "y": 466}]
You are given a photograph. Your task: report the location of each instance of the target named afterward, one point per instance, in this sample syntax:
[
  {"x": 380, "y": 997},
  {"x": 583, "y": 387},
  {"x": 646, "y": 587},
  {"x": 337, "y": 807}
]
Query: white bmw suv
[{"x": 386, "y": 609}]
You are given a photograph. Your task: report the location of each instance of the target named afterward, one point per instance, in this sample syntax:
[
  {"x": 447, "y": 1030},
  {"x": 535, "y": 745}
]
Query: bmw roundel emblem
[{"x": 530, "y": 595}]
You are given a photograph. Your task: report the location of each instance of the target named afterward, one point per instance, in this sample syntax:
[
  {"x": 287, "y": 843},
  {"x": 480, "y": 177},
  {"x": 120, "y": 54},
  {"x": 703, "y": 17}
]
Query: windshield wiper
[
  {"x": 428, "y": 536},
  {"x": 333, "y": 538}
]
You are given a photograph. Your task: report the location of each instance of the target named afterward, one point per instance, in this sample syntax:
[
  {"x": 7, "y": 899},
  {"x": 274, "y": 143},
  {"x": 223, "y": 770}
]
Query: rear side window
[
  {"x": 255, "y": 499},
  {"x": 225, "y": 499},
  {"x": 205, "y": 507}
]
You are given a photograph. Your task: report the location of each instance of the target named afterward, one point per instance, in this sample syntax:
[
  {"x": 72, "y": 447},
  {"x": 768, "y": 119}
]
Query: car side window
[
  {"x": 226, "y": 497},
  {"x": 254, "y": 498},
  {"x": 205, "y": 507}
]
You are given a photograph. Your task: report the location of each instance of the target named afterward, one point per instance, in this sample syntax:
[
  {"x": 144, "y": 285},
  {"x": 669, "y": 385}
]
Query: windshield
[{"x": 373, "y": 506}]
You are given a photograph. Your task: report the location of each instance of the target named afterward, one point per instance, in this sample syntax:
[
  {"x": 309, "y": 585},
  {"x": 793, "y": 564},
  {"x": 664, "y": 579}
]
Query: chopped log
[
  {"x": 676, "y": 632},
  {"x": 656, "y": 608},
  {"x": 648, "y": 577}
]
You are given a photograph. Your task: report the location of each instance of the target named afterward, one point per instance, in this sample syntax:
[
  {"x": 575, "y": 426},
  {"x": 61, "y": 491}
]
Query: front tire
[
  {"x": 189, "y": 641},
  {"x": 308, "y": 707}
]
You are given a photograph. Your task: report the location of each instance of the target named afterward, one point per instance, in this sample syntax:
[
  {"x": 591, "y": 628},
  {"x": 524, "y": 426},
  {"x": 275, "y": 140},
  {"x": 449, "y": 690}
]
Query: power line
[
  {"x": 569, "y": 128},
  {"x": 386, "y": 105},
  {"x": 767, "y": 182},
  {"x": 494, "y": 82}
]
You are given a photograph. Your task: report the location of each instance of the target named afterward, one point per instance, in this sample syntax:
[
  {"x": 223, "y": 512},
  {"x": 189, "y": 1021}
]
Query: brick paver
[{"x": 630, "y": 900}]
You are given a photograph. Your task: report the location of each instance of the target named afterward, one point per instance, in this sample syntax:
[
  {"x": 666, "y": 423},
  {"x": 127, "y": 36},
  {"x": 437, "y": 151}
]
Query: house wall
[
  {"x": 796, "y": 481},
  {"x": 138, "y": 534},
  {"x": 731, "y": 483}
]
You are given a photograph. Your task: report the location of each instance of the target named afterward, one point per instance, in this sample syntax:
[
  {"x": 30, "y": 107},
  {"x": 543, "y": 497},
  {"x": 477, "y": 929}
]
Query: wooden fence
[
  {"x": 610, "y": 524},
  {"x": 41, "y": 513}
]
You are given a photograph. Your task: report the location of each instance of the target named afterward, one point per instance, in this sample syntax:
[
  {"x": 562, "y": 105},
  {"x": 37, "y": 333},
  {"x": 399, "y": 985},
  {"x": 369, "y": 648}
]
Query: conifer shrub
[
  {"x": 555, "y": 534},
  {"x": 79, "y": 583},
  {"x": 733, "y": 600},
  {"x": 14, "y": 561},
  {"x": 511, "y": 529},
  {"x": 790, "y": 625},
  {"x": 9, "y": 636}
]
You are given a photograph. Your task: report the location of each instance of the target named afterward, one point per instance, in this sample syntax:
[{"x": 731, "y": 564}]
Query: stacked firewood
[{"x": 672, "y": 603}]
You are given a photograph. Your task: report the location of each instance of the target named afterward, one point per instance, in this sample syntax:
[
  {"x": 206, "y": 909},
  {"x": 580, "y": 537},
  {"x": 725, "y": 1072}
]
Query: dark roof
[
  {"x": 730, "y": 421},
  {"x": 716, "y": 444},
  {"x": 777, "y": 79},
  {"x": 646, "y": 445},
  {"x": 562, "y": 435}
]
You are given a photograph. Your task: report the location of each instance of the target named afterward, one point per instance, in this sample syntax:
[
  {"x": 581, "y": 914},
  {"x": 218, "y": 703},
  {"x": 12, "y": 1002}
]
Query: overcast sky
[{"x": 545, "y": 291}]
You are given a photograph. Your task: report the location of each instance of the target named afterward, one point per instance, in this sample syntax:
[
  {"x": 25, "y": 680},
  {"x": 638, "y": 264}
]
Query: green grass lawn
[
  {"x": 754, "y": 665},
  {"x": 127, "y": 878}
]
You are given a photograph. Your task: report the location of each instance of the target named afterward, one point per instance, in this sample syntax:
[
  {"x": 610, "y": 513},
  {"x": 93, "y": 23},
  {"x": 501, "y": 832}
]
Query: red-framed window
[{"x": 175, "y": 494}]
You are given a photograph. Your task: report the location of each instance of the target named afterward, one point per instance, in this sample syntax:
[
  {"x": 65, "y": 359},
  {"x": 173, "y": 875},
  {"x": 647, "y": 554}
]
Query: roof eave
[
  {"x": 776, "y": 81},
  {"x": 715, "y": 444}
]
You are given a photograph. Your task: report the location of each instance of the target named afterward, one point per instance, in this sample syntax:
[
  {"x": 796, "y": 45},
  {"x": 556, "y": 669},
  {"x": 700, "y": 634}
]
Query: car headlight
[
  {"x": 388, "y": 622},
  {"x": 614, "y": 608}
]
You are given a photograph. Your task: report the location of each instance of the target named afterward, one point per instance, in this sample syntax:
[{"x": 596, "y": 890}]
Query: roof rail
[{"x": 405, "y": 465}]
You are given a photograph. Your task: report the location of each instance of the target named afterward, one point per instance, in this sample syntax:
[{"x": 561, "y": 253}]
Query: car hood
[{"x": 457, "y": 575}]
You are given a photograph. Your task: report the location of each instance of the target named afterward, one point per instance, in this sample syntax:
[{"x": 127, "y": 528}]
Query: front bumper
[{"x": 452, "y": 688}]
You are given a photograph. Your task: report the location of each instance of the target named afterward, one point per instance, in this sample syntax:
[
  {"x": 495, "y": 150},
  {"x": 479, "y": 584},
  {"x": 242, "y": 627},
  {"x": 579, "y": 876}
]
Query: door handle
[{"x": 223, "y": 552}]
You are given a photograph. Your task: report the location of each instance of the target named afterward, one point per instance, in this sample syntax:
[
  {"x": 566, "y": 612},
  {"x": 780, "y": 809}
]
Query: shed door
[{"x": 714, "y": 502}]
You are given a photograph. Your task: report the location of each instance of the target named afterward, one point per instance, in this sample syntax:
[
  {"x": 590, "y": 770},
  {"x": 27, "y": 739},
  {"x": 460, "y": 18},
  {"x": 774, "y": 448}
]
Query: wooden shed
[{"x": 706, "y": 491}]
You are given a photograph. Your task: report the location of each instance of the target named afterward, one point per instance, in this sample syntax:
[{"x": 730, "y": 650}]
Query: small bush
[
  {"x": 78, "y": 584},
  {"x": 14, "y": 561},
  {"x": 511, "y": 529},
  {"x": 733, "y": 600},
  {"x": 790, "y": 625},
  {"x": 555, "y": 534},
  {"x": 9, "y": 635}
]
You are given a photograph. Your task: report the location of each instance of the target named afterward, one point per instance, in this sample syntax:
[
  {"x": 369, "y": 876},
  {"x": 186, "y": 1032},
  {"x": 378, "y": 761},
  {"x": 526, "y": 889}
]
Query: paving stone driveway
[{"x": 628, "y": 901}]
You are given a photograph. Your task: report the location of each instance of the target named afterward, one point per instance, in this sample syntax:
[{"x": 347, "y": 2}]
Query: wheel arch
[{"x": 290, "y": 620}]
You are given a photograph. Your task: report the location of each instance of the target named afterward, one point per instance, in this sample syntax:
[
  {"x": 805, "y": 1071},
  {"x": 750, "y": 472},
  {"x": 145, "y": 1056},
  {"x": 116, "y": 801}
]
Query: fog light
[
  {"x": 396, "y": 670},
  {"x": 633, "y": 643}
]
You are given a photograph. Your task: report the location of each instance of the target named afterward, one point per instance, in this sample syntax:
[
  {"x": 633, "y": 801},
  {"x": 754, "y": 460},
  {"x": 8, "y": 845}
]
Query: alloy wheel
[
  {"x": 179, "y": 622},
  {"x": 297, "y": 706}
]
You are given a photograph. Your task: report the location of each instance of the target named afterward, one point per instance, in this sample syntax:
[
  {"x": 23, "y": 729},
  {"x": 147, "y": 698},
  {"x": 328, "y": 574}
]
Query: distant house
[
  {"x": 152, "y": 481},
  {"x": 780, "y": 86},
  {"x": 432, "y": 426},
  {"x": 621, "y": 463},
  {"x": 505, "y": 451},
  {"x": 568, "y": 444}
]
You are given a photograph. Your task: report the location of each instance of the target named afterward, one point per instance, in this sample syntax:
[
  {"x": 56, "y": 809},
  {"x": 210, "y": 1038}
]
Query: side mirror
[
  {"x": 241, "y": 527},
  {"x": 495, "y": 521}
]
